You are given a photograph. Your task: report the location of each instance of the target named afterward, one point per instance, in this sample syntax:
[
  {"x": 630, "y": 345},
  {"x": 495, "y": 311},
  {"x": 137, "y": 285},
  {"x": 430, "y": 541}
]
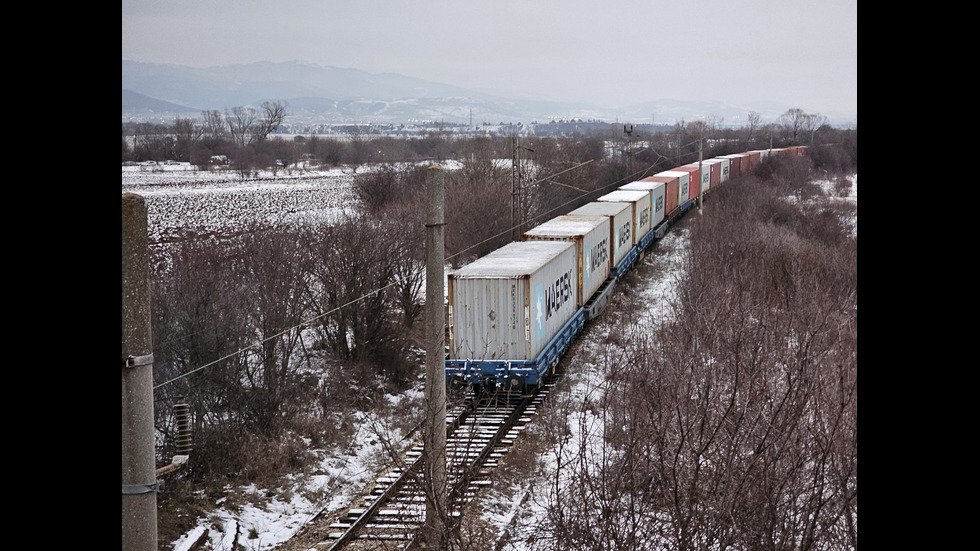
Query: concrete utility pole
[
  {"x": 434, "y": 438},
  {"x": 139, "y": 498},
  {"x": 701, "y": 175}
]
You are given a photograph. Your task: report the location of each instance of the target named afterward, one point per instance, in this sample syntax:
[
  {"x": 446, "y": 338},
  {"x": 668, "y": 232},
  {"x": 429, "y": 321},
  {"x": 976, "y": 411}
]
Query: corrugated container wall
[
  {"x": 725, "y": 173},
  {"x": 621, "y": 226},
  {"x": 678, "y": 184},
  {"x": 658, "y": 195},
  {"x": 714, "y": 172},
  {"x": 510, "y": 303},
  {"x": 739, "y": 163},
  {"x": 642, "y": 209},
  {"x": 593, "y": 249},
  {"x": 697, "y": 178},
  {"x": 684, "y": 184}
]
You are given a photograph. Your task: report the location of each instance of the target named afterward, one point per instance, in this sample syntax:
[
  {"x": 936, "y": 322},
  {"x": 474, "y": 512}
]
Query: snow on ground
[
  {"x": 339, "y": 479},
  {"x": 343, "y": 473},
  {"x": 181, "y": 199},
  {"x": 204, "y": 202}
]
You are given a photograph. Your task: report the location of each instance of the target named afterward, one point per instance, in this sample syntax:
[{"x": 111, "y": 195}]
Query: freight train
[{"x": 515, "y": 312}]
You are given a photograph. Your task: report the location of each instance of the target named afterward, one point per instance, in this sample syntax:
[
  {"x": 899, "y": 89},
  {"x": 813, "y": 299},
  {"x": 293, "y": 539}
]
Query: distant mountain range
[{"x": 315, "y": 94}]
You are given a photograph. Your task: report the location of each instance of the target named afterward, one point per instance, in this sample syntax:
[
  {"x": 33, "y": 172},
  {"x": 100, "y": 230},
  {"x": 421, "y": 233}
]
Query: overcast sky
[{"x": 612, "y": 53}]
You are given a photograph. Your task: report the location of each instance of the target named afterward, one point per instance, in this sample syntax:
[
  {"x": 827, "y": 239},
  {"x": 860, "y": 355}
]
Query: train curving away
[{"x": 513, "y": 313}]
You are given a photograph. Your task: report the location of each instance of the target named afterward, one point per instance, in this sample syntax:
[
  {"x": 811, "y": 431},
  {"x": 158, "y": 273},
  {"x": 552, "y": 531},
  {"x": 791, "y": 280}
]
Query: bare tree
[
  {"x": 753, "y": 123},
  {"x": 213, "y": 128},
  {"x": 198, "y": 328},
  {"x": 273, "y": 265},
  {"x": 273, "y": 114},
  {"x": 241, "y": 123},
  {"x": 186, "y": 135},
  {"x": 478, "y": 211},
  {"x": 797, "y": 121},
  {"x": 349, "y": 290}
]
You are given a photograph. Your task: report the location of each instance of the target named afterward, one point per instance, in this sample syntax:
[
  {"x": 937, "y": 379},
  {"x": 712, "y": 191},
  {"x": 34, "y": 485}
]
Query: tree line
[{"x": 248, "y": 137}]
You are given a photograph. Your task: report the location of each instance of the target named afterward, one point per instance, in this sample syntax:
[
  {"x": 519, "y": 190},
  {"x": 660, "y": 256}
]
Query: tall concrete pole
[
  {"x": 139, "y": 498},
  {"x": 434, "y": 439},
  {"x": 701, "y": 175}
]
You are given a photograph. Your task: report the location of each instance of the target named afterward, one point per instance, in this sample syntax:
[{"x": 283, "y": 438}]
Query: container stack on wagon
[
  {"x": 593, "y": 249},
  {"x": 512, "y": 313},
  {"x": 677, "y": 185},
  {"x": 621, "y": 231},
  {"x": 658, "y": 204},
  {"x": 641, "y": 208}
]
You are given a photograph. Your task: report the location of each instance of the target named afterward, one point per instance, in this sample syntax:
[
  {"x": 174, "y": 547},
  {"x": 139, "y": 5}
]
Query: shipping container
[
  {"x": 725, "y": 172},
  {"x": 699, "y": 178},
  {"x": 621, "y": 231},
  {"x": 713, "y": 171},
  {"x": 658, "y": 204},
  {"x": 677, "y": 184},
  {"x": 738, "y": 164},
  {"x": 642, "y": 212},
  {"x": 591, "y": 236},
  {"x": 684, "y": 200},
  {"x": 753, "y": 158},
  {"x": 512, "y": 311}
]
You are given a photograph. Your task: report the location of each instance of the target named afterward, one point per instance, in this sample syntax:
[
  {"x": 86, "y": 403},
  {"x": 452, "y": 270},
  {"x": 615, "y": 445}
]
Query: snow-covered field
[
  {"x": 178, "y": 198},
  {"x": 182, "y": 201}
]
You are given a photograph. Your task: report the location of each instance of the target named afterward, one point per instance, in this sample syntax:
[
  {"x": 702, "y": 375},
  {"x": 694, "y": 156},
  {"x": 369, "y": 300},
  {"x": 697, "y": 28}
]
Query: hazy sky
[{"x": 611, "y": 52}]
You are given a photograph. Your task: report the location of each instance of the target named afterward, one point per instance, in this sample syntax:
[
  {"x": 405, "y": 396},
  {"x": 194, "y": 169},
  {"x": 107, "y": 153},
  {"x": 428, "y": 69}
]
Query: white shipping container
[
  {"x": 708, "y": 167},
  {"x": 658, "y": 196},
  {"x": 705, "y": 174},
  {"x": 593, "y": 249},
  {"x": 621, "y": 229},
  {"x": 507, "y": 305},
  {"x": 642, "y": 209}
]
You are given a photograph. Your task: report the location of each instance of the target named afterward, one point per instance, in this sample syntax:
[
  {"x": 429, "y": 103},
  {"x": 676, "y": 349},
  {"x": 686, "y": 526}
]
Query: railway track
[{"x": 479, "y": 433}]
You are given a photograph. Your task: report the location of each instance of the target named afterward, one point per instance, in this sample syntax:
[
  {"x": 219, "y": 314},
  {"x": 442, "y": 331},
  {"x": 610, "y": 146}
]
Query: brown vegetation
[
  {"x": 737, "y": 421},
  {"x": 735, "y": 425}
]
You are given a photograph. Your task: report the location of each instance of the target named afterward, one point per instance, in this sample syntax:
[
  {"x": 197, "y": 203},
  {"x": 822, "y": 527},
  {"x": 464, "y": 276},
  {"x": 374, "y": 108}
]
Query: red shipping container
[
  {"x": 695, "y": 187},
  {"x": 738, "y": 164}
]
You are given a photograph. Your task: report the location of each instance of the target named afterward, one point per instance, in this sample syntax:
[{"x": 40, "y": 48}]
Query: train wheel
[{"x": 514, "y": 383}]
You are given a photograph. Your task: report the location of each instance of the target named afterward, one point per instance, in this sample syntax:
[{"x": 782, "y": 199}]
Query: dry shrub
[{"x": 266, "y": 460}]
